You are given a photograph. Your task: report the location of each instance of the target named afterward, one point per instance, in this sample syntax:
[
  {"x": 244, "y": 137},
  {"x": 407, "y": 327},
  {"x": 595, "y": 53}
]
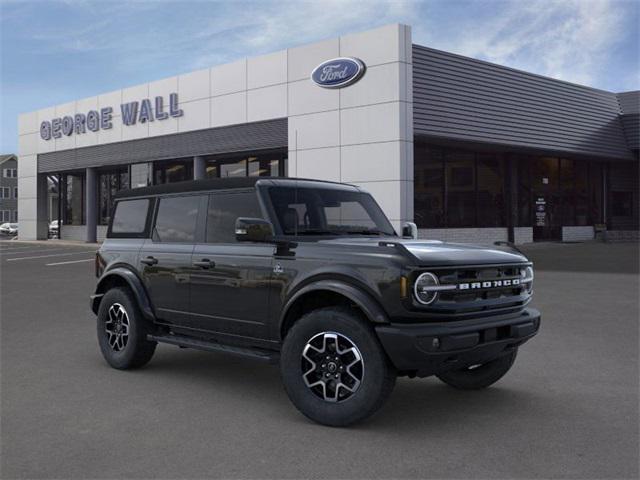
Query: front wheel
[
  {"x": 122, "y": 331},
  {"x": 481, "y": 376},
  {"x": 334, "y": 369}
]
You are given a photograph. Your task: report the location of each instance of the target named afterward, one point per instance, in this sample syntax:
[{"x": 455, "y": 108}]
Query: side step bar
[{"x": 197, "y": 344}]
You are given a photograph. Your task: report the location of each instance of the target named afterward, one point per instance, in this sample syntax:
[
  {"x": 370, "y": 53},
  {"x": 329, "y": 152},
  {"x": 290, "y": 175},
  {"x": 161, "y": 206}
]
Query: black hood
[{"x": 436, "y": 253}]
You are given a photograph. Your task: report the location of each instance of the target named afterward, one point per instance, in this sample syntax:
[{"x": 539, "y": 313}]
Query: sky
[{"x": 55, "y": 51}]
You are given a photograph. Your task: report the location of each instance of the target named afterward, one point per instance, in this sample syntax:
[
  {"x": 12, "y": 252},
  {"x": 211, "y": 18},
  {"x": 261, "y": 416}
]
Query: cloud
[
  {"x": 266, "y": 26},
  {"x": 569, "y": 40},
  {"x": 56, "y": 51}
]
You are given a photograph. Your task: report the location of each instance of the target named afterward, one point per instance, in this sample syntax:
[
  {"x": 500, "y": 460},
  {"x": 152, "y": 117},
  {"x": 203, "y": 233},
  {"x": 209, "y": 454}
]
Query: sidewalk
[{"x": 52, "y": 241}]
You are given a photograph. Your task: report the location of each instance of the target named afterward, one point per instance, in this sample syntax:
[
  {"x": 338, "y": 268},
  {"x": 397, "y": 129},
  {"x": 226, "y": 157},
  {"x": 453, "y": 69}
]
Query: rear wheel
[
  {"x": 481, "y": 376},
  {"x": 334, "y": 369},
  {"x": 122, "y": 331}
]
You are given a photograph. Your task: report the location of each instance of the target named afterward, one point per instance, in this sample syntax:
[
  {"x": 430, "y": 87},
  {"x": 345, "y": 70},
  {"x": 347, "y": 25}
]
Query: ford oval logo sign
[{"x": 338, "y": 73}]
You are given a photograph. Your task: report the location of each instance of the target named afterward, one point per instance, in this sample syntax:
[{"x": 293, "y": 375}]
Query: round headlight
[
  {"x": 425, "y": 288},
  {"x": 526, "y": 275}
]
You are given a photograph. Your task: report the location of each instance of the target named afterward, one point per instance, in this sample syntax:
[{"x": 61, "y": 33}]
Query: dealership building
[{"x": 470, "y": 151}]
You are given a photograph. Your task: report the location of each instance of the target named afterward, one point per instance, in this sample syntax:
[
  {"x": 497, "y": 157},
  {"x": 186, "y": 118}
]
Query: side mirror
[
  {"x": 410, "y": 230},
  {"x": 253, "y": 230}
]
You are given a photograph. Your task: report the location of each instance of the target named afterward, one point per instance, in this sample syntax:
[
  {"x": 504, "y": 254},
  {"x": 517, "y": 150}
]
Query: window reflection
[
  {"x": 460, "y": 188},
  {"x": 73, "y": 199},
  {"x": 170, "y": 171},
  {"x": 264, "y": 164},
  {"x": 110, "y": 183}
]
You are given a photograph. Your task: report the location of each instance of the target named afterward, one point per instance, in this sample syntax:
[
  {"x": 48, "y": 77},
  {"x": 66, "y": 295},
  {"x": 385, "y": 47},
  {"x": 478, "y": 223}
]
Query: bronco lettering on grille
[{"x": 509, "y": 282}]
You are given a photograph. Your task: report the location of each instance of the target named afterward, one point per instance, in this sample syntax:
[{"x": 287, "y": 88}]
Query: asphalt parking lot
[{"x": 568, "y": 408}]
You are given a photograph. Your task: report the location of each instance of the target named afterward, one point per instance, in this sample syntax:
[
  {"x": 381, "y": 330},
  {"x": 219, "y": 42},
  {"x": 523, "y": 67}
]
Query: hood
[{"x": 435, "y": 253}]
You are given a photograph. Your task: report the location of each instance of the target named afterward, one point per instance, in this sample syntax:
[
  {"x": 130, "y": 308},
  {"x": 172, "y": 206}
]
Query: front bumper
[{"x": 429, "y": 348}]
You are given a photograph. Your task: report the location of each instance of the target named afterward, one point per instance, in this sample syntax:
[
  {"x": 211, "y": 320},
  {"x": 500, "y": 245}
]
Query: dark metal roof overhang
[
  {"x": 463, "y": 99},
  {"x": 255, "y": 136}
]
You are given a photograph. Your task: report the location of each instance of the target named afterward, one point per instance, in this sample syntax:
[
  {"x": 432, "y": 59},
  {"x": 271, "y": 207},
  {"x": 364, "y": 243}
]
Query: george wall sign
[
  {"x": 339, "y": 72},
  {"x": 94, "y": 120}
]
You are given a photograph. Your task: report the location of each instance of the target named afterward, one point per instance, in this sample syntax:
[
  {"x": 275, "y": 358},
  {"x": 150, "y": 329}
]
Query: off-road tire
[
  {"x": 137, "y": 351},
  {"x": 378, "y": 376},
  {"x": 481, "y": 376}
]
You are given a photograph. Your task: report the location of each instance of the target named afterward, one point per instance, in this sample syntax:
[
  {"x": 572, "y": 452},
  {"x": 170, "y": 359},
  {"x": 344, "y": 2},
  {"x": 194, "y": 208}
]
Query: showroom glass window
[
  {"x": 458, "y": 188},
  {"x": 262, "y": 164},
  {"x": 110, "y": 183},
  {"x": 171, "y": 171},
  {"x": 596, "y": 192},
  {"x": 522, "y": 166},
  {"x": 574, "y": 187},
  {"x": 73, "y": 193},
  {"x": 429, "y": 187},
  {"x": 623, "y": 196},
  {"x": 490, "y": 176}
]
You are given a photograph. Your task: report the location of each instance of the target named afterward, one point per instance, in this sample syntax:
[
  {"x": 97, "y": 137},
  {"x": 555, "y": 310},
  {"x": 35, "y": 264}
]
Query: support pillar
[
  {"x": 512, "y": 198},
  {"x": 42, "y": 214},
  {"x": 91, "y": 204},
  {"x": 199, "y": 168}
]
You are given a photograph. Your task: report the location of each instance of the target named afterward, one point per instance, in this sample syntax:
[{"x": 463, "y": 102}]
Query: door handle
[
  {"x": 204, "y": 263},
  {"x": 149, "y": 261}
]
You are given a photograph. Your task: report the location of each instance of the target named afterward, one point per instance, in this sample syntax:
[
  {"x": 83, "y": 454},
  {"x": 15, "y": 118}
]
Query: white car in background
[
  {"x": 9, "y": 228},
  {"x": 54, "y": 229}
]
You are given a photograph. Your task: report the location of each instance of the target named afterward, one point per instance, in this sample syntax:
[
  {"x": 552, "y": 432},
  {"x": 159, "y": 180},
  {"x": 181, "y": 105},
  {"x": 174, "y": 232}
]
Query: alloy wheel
[
  {"x": 117, "y": 327},
  {"x": 332, "y": 366}
]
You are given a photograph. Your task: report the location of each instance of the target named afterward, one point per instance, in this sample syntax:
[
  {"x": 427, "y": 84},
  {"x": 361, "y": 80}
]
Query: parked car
[
  {"x": 54, "y": 229},
  {"x": 312, "y": 276},
  {"x": 9, "y": 229}
]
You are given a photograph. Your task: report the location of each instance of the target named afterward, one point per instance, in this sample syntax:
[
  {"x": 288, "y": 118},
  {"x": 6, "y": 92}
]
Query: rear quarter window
[{"x": 130, "y": 217}]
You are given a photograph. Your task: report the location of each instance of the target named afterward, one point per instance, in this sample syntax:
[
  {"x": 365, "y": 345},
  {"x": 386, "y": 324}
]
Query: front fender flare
[
  {"x": 134, "y": 283},
  {"x": 372, "y": 310}
]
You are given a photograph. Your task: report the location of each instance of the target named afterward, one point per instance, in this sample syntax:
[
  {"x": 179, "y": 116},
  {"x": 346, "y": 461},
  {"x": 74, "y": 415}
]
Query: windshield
[{"x": 327, "y": 211}]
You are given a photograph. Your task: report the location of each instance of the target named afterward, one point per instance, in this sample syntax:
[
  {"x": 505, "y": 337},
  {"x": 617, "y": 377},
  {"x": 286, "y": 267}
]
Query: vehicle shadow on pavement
[{"x": 415, "y": 404}]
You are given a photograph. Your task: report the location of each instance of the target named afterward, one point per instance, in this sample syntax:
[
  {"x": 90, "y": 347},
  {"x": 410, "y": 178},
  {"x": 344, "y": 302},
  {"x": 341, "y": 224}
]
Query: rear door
[
  {"x": 165, "y": 259},
  {"x": 230, "y": 280}
]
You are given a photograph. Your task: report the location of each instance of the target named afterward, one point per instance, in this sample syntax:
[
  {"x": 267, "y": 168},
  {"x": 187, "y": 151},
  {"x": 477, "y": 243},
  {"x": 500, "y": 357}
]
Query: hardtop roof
[{"x": 218, "y": 184}]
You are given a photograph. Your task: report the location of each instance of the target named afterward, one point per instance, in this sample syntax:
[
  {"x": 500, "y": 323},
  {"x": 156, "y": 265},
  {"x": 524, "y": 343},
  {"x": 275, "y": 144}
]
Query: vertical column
[
  {"x": 91, "y": 207},
  {"x": 199, "y": 168},
  {"x": 42, "y": 213},
  {"x": 512, "y": 197}
]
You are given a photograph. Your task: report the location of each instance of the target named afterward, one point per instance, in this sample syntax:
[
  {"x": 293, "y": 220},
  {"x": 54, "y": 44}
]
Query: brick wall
[
  {"x": 577, "y": 234},
  {"x": 614, "y": 236},
  {"x": 523, "y": 235}
]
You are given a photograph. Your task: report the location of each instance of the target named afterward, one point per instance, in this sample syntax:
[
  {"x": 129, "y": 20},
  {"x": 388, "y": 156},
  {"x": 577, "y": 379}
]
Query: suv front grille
[{"x": 481, "y": 289}]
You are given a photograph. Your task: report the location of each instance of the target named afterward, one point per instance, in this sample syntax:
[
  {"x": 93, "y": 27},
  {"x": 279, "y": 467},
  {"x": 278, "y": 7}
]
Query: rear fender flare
[{"x": 133, "y": 282}]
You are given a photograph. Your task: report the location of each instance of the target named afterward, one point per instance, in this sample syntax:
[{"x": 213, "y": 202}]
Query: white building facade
[{"x": 266, "y": 116}]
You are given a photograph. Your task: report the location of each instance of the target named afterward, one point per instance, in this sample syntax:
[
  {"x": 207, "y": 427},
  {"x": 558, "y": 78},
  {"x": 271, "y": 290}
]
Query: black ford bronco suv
[{"x": 310, "y": 275}]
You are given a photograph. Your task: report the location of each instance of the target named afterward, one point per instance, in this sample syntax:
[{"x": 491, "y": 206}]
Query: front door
[
  {"x": 230, "y": 281},
  {"x": 165, "y": 260}
]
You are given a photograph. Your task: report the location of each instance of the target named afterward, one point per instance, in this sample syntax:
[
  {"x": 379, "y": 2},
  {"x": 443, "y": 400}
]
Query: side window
[
  {"x": 130, "y": 216},
  {"x": 224, "y": 209},
  {"x": 176, "y": 219}
]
